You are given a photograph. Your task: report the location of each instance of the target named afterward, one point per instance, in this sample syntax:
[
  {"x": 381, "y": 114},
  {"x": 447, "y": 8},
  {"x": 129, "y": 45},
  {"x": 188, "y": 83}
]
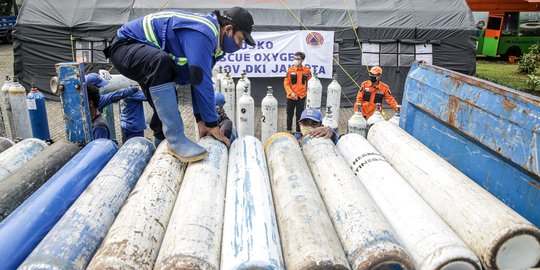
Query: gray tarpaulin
[{"x": 45, "y": 29}]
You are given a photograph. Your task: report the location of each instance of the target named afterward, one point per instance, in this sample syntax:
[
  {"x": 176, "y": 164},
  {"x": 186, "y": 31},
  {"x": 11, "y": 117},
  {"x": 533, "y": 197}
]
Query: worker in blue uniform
[
  {"x": 110, "y": 98},
  {"x": 170, "y": 47},
  {"x": 132, "y": 122},
  {"x": 99, "y": 125}
]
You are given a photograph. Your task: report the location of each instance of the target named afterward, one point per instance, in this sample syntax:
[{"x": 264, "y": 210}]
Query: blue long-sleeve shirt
[
  {"x": 199, "y": 53},
  {"x": 110, "y": 98},
  {"x": 100, "y": 128},
  {"x": 132, "y": 112},
  {"x": 192, "y": 41}
]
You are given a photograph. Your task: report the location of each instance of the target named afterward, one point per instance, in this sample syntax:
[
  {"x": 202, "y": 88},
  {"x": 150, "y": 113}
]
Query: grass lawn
[{"x": 504, "y": 74}]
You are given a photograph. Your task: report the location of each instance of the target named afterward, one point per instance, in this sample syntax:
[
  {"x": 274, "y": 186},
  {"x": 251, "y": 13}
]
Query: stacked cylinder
[{"x": 38, "y": 114}]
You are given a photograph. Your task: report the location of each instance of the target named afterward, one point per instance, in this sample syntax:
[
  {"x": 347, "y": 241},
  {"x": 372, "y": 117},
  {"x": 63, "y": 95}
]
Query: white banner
[{"x": 273, "y": 54}]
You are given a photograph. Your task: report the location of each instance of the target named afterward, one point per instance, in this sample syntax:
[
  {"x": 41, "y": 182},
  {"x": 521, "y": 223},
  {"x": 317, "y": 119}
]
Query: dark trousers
[
  {"x": 128, "y": 134},
  {"x": 291, "y": 106},
  {"x": 146, "y": 65}
]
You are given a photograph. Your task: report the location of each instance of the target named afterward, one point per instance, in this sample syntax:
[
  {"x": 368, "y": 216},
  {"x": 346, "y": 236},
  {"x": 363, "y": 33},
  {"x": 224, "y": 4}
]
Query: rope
[
  {"x": 356, "y": 35},
  {"x": 72, "y": 48},
  {"x": 335, "y": 60},
  {"x": 164, "y": 4}
]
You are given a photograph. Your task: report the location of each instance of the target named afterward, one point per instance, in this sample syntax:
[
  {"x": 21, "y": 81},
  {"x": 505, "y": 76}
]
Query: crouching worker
[
  {"x": 226, "y": 126},
  {"x": 175, "y": 46},
  {"x": 99, "y": 125},
  {"x": 311, "y": 125}
]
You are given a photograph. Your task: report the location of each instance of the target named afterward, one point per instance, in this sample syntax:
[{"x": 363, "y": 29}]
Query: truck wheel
[
  {"x": 530, "y": 29},
  {"x": 512, "y": 51},
  {"x": 8, "y": 39}
]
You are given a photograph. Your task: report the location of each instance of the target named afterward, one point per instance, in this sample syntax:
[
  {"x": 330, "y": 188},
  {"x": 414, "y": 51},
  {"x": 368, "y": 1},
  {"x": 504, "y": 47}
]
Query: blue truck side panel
[{"x": 487, "y": 131}]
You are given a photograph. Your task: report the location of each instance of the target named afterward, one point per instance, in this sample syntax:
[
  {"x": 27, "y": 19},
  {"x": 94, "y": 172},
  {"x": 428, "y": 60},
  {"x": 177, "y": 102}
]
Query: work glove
[{"x": 104, "y": 74}]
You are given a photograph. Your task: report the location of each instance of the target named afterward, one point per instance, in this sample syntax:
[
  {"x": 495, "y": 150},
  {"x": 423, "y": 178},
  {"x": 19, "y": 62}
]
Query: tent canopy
[{"x": 45, "y": 31}]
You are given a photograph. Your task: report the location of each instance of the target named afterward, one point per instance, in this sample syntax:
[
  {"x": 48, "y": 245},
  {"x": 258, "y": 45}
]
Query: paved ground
[{"x": 56, "y": 122}]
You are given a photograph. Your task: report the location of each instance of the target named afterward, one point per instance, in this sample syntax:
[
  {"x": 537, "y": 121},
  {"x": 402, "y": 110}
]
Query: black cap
[{"x": 243, "y": 21}]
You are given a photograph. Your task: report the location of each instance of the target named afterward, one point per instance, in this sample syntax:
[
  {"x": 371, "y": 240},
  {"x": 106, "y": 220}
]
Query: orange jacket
[
  {"x": 382, "y": 90},
  {"x": 296, "y": 81}
]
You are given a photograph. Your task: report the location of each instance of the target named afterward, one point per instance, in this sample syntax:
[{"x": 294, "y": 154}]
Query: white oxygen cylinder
[
  {"x": 269, "y": 107},
  {"x": 246, "y": 115},
  {"x": 357, "y": 123},
  {"x": 5, "y": 101},
  {"x": 219, "y": 77},
  {"x": 19, "y": 107},
  {"x": 240, "y": 86},
  {"x": 395, "y": 119},
  {"x": 117, "y": 82},
  {"x": 329, "y": 120},
  {"x": 250, "y": 231},
  {"x": 227, "y": 87},
  {"x": 333, "y": 96},
  {"x": 215, "y": 71},
  {"x": 222, "y": 81},
  {"x": 376, "y": 117},
  {"x": 314, "y": 92},
  {"x": 430, "y": 241},
  {"x": 247, "y": 81}
]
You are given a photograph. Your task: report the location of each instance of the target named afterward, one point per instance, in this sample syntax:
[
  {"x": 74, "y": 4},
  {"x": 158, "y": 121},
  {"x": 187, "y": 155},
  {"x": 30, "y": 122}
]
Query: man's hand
[
  {"x": 202, "y": 129},
  {"x": 320, "y": 132},
  {"x": 216, "y": 133},
  {"x": 104, "y": 74},
  {"x": 294, "y": 96}
]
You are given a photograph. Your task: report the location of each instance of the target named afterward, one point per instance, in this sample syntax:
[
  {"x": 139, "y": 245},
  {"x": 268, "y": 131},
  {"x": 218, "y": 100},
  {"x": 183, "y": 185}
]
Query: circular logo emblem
[
  {"x": 243, "y": 110},
  {"x": 314, "y": 39}
]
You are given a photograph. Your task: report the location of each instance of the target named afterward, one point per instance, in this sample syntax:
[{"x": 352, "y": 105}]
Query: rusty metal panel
[{"x": 489, "y": 132}]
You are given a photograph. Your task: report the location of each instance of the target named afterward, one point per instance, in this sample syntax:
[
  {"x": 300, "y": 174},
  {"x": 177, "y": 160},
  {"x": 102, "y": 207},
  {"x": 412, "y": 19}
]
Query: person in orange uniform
[
  {"x": 296, "y": 87},
  {"x": 373, "y": 91}
]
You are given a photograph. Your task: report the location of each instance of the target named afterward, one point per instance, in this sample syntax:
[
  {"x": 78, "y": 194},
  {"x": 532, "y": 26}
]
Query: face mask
[
  {"x": 229, "y": 44},
  {"x": 305, "y": 129},
  {"x": 219, "y": 110},
  {"x": 297, "y": 62},
  {"x": 373, "y": 79}
]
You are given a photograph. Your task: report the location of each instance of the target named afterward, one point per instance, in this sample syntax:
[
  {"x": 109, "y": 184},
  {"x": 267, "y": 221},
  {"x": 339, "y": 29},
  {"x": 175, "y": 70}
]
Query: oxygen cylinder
[
  {"x": 228, "y": 91},
  {"x": 117, "y": 82},
  {"x": 269, "y": 107},
  {"x": 5, "y": 101},
  {"x": 215, "y": 70},
  {"x": 314, "y": 93},
  {"x": 246, "y": 115},
  {"x": 38, "y": 114},
  {"x": 329, "y": 121},
  {"x": 21, "y": 118},
  {"x": 376, "y": 117},
  {"x": 247, "y": 81},
  {"x": 357, "y": 123},
  {"x": 240, "y": 86},
  {"x": 395, "y": 119},
  {"x": 333, "y": 96},
  {"x": 217, "y": 77}
]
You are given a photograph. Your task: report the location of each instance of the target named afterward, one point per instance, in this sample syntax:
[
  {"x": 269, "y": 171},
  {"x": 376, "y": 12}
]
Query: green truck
[{"x": 508, "y": 34}]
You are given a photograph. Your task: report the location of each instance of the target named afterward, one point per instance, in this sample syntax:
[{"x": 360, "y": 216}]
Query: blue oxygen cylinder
[{"x": 38, "y": 114}]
